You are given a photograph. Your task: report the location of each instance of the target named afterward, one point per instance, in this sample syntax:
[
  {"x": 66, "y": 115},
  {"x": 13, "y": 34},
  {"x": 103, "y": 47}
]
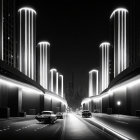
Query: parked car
[
  {"x": 59, "y": 115},
  {"x": 86, "y": 114},
  {"x": 46, "y": 117}
]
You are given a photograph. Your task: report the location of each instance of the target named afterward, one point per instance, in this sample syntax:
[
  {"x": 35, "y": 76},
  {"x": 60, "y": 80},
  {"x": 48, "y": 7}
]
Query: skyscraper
[
  {"x": 60, "y": 85},
  {"x": 43, "y": 63},
  {"x": 93, "y": 82},
  {"x": 27, "y": 42},
  {"x": 105, "y": 79},
  {"x": 53, "y": 80},
  {"x": 120, "y": 40},
  {"x": 8, "y": 32}
]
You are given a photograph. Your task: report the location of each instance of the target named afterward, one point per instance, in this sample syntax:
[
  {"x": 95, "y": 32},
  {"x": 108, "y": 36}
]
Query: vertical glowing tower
[
  {"x": 43, "y": 63},
  {"x": 104, "y": 65},
  {"x": 61, "y": 85},
  {"x": 93, "y": 82},
  {"x": 54, "y": 80},
  {"x": 27, "y": 42},
  {"x": 121, "y": 61}
]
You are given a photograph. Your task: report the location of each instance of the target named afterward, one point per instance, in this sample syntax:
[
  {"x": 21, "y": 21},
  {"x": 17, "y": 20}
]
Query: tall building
[
  {"x": 105, "y": 65},
  {"x": 43, "y": 63},
  {"x": 60, "y": 85},
  {"x": 93, "y": 82},
  {"x": 119, "y": 19},
  {"x": 8, "y": 32},
  {"x": 27, "y": 42},
  {"x": 53, "y": 80}
]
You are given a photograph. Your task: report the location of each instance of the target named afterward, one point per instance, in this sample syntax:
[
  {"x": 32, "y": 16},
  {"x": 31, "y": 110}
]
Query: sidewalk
[
  {"x": 115, "y": 116},
  {"x": 126, "y": 125}
]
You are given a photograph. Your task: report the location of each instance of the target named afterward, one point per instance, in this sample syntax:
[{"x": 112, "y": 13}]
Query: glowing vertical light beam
[
  {"x": 57, "y": 83},
  {"x": 27, "y": 41},
  {"x": 105, "y": 64},
  {"x": 120, "y": 40}
]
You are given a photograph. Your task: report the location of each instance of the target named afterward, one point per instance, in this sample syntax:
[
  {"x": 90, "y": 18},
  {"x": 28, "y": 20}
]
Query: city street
[{"x": 70, "y": 128}]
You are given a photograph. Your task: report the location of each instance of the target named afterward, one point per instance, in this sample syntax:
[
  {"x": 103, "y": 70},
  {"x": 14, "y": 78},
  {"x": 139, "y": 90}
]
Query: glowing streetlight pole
[
  {"x": 105, "y": 64},
  {"x": 119, "y": 16},
  {"x": 93, "y": 83}
]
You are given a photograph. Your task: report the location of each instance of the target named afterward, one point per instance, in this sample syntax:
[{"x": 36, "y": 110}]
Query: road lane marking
[
  {"x": 122, "y": 122},
  {"x": 39, "y": 128}
]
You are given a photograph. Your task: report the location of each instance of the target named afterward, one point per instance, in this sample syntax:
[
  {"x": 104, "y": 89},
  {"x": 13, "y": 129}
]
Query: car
[
  {"x": 59, "y": 115},
  {"x": 46, "y": 117},
  {"x": 86, "y": 114}
]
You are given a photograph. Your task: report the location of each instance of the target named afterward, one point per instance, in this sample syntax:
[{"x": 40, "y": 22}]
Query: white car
[{"x": 46, "y": 117}]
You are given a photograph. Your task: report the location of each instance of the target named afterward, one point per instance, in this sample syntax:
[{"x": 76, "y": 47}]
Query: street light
[{"x": 118, "y": 104}]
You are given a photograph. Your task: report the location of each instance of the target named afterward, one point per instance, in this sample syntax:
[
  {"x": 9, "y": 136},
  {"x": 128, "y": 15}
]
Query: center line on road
[{"x": 122, "y": 122}]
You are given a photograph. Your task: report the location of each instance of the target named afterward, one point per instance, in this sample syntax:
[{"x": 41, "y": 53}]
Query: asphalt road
[{"x": 69, "y": 128}]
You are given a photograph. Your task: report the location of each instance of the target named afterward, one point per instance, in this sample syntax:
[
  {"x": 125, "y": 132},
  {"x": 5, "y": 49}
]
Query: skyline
[{"x": 70, "y": 29}]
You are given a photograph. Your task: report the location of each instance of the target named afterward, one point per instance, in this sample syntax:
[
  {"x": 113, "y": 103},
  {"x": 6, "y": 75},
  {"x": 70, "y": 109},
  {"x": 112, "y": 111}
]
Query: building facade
[
  {"x": 43, "y": 63},
  {"x": 105, "y": 65},
  {"x": 119, "y": 19},
  {"x": 93, "y": 82},
  {"x": 27, "y": 42},
  {"x": 8, "y": 32}
]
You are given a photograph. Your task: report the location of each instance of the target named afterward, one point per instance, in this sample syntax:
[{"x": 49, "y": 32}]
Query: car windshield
[
  {"x": 86, "y": 111},
  {"x": 49, "y": 113}
]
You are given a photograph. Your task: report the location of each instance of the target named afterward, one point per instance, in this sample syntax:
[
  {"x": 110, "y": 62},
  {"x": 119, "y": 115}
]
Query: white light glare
[
  {"x": 118, "y": 103},
  {"x": 118, "y": 10},
  {"x": 112, "y": 130},
  {"x": 94, "y": 70},
  {"x": 28, "y": 9},
  {"x": 44, "y": 42},
  {"x": 105, "y": 43},
  {"x": 56, "y": 97},
  {"x": 86, "y": 100},
  {"x": 53, "y": 69},
  {"x": 14, "y": 83}
]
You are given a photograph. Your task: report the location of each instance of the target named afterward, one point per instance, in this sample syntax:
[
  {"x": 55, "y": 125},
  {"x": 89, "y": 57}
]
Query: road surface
[{"x": 72, "y": 127}]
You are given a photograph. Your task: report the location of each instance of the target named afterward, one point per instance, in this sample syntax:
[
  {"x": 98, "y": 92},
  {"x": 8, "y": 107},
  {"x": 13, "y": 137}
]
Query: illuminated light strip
[
  {"x": 29, "y": 44},
  {"x": 125, "y": 40},
  {"x": 97, "y": 84},
  {"x": 32, "y": 59},
  {"x": 122, "y": 61},
  {"x": 105, "y": 64},
  {"x": 44, "y": 42},
  {"x": 129, "y": 83},
  {"x": 61, "y": 86},
  {"x": 28, "y": 9},
  {"x": 121, "y": 12},
  {"x": 111, "y": 130},
  {"x": 56, "y": 97},
  {"x": 2, "y": 32},
  {"x": 57, "y": 83},
  {"x": 52, "y": 86},
  {"x": 118, "y": 10},
  {"x": 25, "y": 43},
  {"x": 86, "y": 100},
  {"x": 91, "y": 82},
  {"x": 44, "y": 67},
  {"x": 23, "y": 86},
  {"x": 20, "y": 54},
  {"x": 119, "y": 53}
]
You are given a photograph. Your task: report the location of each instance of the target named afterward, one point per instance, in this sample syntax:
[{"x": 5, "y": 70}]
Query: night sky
[{"x": 74, "y": 31}]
